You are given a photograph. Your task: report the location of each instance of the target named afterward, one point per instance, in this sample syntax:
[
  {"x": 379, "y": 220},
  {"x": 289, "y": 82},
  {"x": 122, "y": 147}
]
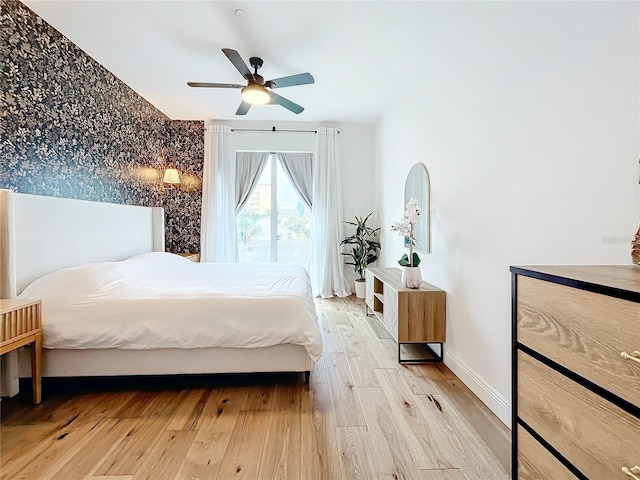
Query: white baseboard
[{"x": 491, "y": 398}]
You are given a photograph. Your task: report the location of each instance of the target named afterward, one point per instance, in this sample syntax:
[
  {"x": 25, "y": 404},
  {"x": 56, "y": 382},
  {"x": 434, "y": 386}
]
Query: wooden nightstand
[
  {"x": 21, "y": 324},
  {"x": 194, "y": 257}
]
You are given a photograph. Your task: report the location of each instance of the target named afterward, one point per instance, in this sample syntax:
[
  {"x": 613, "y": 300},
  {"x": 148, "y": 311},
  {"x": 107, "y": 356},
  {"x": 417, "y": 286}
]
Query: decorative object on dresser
[
  {"x": 410, "y": 315},
  {"x": 635, "y": 248},
  {"x": 21, "y": 324},
  {"x": 576, "y": 380},
  {"x": 635, "y": 244},
  {"x": 411, "y": 275},
  {"x": 364, "y": 250}
]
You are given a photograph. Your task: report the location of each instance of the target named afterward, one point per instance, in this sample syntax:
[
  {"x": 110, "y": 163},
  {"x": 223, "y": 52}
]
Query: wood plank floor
[{"x": 362, "y": 416}]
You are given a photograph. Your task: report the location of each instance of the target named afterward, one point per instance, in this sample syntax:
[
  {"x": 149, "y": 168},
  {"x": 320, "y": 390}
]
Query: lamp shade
[
  {"x": 171, "y": 176},
  {"x": 255, "y": 94}
]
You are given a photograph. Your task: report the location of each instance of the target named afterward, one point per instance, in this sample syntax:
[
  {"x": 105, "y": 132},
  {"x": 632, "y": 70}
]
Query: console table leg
[{"x": 436, "y": 358}]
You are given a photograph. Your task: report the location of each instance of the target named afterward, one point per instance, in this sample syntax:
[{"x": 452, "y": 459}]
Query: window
[{"x": 275, "y": 224}]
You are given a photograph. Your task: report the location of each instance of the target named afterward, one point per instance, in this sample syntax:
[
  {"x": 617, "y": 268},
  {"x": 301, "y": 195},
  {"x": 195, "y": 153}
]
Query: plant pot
[
  {"x": 411, "y": 277},
  {"x": 361, "y": 288}
]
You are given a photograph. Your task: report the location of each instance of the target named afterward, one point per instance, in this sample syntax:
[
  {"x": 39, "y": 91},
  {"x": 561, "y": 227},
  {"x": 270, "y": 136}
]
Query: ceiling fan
[{"x": 258, "y": 91}]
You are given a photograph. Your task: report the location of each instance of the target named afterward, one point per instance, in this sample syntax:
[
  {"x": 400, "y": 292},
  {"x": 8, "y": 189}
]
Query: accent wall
[{"x": 70, "y": 128}]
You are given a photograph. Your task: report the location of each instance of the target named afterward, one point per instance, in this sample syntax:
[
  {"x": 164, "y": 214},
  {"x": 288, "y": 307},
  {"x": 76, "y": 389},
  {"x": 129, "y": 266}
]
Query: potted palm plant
[{"x": 364, "y": 250}]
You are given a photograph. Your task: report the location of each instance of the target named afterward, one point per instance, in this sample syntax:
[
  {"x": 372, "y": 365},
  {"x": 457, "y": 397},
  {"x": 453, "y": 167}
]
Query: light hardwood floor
[{"x": 362, "y": 416}]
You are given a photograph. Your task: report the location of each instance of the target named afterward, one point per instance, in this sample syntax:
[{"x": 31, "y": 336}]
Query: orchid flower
[{"x": 404, "y": 227}]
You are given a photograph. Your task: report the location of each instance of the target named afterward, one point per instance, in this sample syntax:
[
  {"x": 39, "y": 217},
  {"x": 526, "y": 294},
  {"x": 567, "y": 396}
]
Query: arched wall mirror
[{"x": 418, "y": 186}]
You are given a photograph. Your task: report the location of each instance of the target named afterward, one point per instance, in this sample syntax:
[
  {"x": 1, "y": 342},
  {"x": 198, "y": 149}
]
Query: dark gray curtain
[
  {"x": 249, "y": 166},
  {"x": 299, "y": 169}
]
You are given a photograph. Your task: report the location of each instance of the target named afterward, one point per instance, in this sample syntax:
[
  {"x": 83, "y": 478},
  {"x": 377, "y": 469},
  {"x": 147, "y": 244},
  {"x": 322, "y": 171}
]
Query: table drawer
[
  {"x": 596, "y": 436},
  {"x": 536, "y": 463},
  {"x": 583, "y": 331}
]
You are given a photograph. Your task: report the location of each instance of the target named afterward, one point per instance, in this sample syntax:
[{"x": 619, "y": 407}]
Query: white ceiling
[{"x": 362, "y": 54}]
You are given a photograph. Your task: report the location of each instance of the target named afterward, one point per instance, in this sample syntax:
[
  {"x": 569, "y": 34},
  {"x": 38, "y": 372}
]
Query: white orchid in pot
[{"x": 411, "y": 276}]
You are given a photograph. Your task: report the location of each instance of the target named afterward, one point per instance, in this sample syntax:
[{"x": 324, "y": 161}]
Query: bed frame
[{"x": 39, "y": 235}]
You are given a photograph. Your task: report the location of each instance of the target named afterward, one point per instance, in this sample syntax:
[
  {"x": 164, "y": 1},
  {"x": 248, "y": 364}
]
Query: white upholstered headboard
[{"x": 39, "y": 235}]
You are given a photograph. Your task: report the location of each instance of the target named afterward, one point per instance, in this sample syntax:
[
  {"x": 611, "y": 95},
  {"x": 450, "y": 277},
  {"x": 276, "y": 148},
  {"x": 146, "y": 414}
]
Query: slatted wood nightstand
[
  {"x": 21, "y": 324},
  {"x": 194, "y": 257}
]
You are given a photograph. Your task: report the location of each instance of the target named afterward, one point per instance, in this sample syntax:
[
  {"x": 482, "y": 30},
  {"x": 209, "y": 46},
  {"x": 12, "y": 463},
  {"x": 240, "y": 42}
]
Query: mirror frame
[{"x": 421, "y": 245}]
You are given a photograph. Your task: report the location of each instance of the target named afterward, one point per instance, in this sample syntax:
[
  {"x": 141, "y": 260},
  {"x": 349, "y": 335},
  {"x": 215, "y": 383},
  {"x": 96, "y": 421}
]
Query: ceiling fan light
[{"x": 255, "y": 94}]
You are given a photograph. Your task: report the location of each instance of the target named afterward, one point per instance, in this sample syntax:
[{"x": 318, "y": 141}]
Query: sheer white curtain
[
  {"x": 218, "y": 230},
  {"x": 299, "y": 169},
  {"x": 326, "y": 269}
]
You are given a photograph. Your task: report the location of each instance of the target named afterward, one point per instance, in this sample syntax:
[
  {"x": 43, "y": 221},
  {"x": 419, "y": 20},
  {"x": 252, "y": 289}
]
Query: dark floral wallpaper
[{"x": 70, "y": 128}]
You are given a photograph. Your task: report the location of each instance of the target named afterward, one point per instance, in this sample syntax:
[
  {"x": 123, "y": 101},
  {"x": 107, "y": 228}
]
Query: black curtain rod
[{"x": 272, "y": 129}]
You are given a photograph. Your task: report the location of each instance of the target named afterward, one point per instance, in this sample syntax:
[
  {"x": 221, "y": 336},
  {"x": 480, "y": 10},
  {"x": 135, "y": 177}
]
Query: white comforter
[{"x": 161, "y": 300}]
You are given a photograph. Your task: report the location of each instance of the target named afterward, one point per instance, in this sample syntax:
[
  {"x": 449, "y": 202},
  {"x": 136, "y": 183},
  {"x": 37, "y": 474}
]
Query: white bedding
[{"x": 161, "y": 300}]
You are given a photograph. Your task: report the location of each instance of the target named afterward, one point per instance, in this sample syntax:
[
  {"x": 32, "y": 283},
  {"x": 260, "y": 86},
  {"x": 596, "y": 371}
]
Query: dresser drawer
[
  {"x": 536, "y": 463},
  {"x": 596, "y": 436},
  {"x": 583, "y": 331}
]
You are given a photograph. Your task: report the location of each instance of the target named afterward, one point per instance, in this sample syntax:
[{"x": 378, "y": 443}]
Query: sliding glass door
[{"x": 275, "y": 223}]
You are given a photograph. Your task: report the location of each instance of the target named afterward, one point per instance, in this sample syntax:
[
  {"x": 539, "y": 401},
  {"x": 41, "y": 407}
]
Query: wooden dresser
[
  {"x": 576, "y": 372},
  {"x": 411, "y": 315}
]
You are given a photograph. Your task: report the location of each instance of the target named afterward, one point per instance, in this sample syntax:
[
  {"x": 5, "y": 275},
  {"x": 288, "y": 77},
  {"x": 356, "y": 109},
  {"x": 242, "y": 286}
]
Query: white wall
[
  {"x": 528, "y": 123},
  {"x": 356, "y": 157}
]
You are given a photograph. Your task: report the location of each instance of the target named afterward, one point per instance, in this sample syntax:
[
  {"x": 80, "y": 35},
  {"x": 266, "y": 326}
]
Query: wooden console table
[
  {"x": 21, "y": 324},
  {"x": 411, "y": 315}
]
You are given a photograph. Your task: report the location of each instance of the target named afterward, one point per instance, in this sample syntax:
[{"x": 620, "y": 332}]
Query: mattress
[{"x": 160, "y": 300}]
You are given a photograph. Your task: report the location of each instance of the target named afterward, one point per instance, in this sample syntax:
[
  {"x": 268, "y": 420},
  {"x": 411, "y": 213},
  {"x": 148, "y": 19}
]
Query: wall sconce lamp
[{"x": 170, "y": 178}]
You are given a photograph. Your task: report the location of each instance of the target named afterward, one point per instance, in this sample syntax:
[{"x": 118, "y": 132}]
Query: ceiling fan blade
[
  {"x": 291, "y": 80},
  {"x": 214, "y": 85},
  {"x": 243, "y": 108},
  {"x": 237, "y": 61},
  {"x": 288, "y": 104}
]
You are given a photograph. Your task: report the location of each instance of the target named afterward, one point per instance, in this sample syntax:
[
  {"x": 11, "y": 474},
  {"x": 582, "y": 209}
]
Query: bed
[{"x": 48, "y": 240}]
